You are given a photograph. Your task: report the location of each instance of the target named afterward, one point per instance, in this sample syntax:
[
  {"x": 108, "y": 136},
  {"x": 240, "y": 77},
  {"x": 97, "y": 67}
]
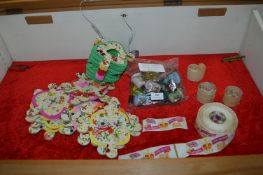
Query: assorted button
[{"x": 153, "y": 87}]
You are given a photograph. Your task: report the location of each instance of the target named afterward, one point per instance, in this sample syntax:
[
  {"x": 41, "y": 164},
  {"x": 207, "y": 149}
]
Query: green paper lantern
[{"x": 108, "y": 59}]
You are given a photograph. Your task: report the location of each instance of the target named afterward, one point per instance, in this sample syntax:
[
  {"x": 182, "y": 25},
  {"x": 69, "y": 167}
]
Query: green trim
[
  {"x": 94, "y": 69},
  {"x": 114, "y": 71},
  {"x": 97, "y": 58}
]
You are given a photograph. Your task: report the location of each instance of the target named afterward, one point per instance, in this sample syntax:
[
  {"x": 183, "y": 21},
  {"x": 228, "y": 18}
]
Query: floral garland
[
  {"x": 104, "y": 49},
  {"x": 83, "y": 106}
]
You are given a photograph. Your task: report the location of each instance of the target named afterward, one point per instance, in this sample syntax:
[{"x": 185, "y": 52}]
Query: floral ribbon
[
  {"x": 83, "y": 106},
  {"x": 215, "y": 138},
  {"x": 204, "y": 146},
  {"x": 151, "y": 124}
]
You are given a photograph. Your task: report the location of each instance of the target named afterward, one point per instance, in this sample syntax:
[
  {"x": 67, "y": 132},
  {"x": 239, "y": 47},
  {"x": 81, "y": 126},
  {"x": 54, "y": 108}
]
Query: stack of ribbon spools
[{"x": 107, "y": 61}]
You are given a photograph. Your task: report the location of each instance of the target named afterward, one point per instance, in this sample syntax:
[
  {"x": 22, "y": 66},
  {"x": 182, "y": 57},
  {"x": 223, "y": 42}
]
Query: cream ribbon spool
[
  {"x": 216, "y": 119},
  {"x": 137, "y": 80},
  {"x": 206, "y": 92},
  {"x": 215, "y": 122},
  {"x": 196, "y": 72},
  {"x": 232, "y": 96}
]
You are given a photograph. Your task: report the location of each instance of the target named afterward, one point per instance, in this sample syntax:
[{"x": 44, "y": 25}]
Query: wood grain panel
[
  {"x": 30, "y": 6},
  {"x": 47, "y": 19},
  {"x": 34, "y": 6},
  {"x": 220, "y": 2},
  {"x": 243, "y": 165},
  {"x": 203, "y": 12}
]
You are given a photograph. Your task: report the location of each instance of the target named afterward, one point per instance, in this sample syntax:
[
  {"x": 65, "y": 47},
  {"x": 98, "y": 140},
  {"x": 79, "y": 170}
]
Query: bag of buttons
[{"x": 155, "y": 82}]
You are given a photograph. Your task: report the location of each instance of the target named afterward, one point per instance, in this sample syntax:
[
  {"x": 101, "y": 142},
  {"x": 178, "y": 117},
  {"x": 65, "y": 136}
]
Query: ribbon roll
[
  {"x": 137, "y": 80},
  {"x": 215, "y": 122},
  {"x": 232, "y": 96},
  {"x": 206, "y": 92},
  {"x": 216, "y": 119},
  {"x": 196, "y": 72}
]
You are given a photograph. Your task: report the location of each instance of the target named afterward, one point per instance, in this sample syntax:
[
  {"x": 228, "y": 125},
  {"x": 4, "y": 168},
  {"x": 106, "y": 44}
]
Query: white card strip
[
  {"x": 145, "y": 67},
  {"x": 157, "y": 96}
]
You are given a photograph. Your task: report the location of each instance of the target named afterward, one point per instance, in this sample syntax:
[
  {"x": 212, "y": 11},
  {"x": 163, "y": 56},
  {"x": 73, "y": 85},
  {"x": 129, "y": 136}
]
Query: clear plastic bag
[{"x": 155, "y": 82}]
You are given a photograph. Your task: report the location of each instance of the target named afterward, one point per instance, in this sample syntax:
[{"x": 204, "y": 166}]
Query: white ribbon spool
[
  {"x": 232, "y": 96},
  {"x": 216, "y": 119},
  {"x": 215, "y": 122},
  {"x": 196, "y": 72},
  {"x": 137, "y": 80},
  {"x": 206, "y": 92}
]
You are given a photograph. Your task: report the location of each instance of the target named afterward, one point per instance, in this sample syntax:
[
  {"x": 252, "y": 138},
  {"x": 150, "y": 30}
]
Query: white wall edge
[
  {"x": 5, "y": 58},
  {"x": 258, "y": 18},
  {"x": 159, "y": 31},
  {"x": 252, "y": 48}
]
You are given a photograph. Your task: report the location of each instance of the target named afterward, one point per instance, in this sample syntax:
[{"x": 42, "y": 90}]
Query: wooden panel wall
[
  {"x": 220, "y": 2},
  {"x": 32, "y": 6}
]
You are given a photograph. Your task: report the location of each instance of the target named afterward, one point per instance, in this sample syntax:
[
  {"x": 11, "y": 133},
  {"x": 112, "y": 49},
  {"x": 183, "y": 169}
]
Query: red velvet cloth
[{"x": 17, "y": 87}]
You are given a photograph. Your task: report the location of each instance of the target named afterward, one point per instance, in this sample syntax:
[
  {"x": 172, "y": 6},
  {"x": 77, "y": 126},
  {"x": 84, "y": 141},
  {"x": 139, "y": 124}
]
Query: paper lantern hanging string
[
  {"x": 131, "y": 30},
  {"x": 94, "y": 27}
]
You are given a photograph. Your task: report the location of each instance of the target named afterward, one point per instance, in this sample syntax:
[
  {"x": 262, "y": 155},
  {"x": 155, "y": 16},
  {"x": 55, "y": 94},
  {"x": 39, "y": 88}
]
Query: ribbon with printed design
[
  {"x": 203, "y": 146},
  {"x": 215, "y": 122},
  {"x": 151, "y": 124}
]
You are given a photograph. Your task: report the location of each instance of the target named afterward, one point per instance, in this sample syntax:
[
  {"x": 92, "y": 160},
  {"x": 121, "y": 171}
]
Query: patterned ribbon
[
  {"x": 151, "y": 124},
  {"x": 213, "y": 140}
]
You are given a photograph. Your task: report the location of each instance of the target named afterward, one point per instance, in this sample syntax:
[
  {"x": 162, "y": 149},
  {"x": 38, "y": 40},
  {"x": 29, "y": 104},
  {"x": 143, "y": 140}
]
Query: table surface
[{"x": 249, "y": 164}]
